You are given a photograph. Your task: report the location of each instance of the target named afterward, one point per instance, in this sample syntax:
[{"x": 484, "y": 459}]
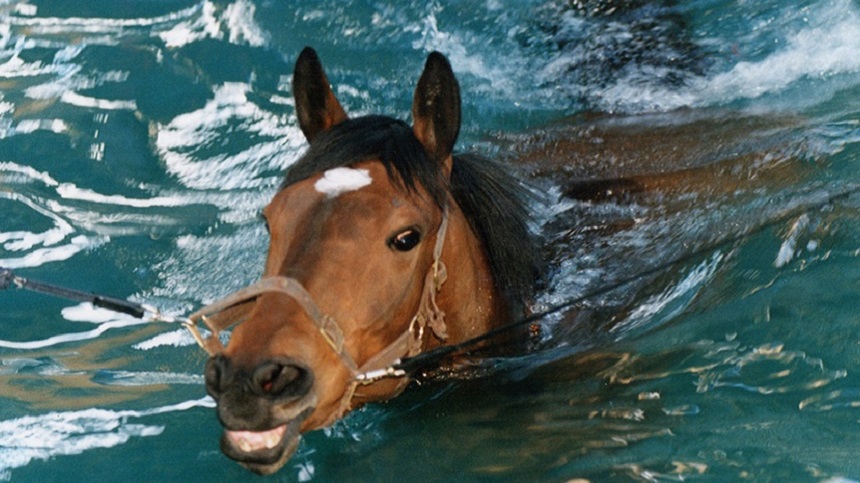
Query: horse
[{"x": 383, "y": 243}]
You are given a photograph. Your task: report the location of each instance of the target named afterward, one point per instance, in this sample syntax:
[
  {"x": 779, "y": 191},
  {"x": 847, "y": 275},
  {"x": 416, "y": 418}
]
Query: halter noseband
[{"x": 234, "y": 309}]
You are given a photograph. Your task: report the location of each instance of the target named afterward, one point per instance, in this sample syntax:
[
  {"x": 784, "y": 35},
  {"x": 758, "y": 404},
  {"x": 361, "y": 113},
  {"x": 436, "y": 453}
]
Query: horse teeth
[
  {"x": 250, "y": 441},
  {"x": 272, "y": 440},
  {"x": 245, "y": 445}
]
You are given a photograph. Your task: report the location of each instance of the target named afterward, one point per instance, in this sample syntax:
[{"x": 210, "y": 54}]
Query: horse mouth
[{"x": 263, "y": 452}]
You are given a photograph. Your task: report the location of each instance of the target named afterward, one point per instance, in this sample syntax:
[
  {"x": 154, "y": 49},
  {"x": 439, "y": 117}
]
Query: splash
[
  {"x": 235, "y": 22},
  {"x": 819, "y": 42},
  {"x": 827, "y": 46},
  {"x": 674, "y": 300},
  {"x": 787, "y": 249}
]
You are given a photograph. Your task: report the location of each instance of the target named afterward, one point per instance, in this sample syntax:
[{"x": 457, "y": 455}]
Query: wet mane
[{"x": 493, "y": 201}]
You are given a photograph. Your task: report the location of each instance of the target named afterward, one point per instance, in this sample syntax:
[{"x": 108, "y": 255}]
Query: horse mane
[{"x": 495, "y": 203}]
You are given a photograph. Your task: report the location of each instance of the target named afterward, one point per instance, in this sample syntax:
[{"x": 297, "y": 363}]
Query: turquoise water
[{"x": 139, "y": 141}]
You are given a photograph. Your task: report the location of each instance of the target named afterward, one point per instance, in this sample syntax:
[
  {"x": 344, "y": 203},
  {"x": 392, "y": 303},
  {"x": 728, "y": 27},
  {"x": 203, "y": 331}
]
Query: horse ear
[
  {"x": 316, "y": 106},
  {"x": 436, "y": 109}
]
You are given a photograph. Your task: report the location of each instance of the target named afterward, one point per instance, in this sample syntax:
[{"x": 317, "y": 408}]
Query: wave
[
  {"x": 233, "y": 22},
  {"x": 236, "y": 23},
  {"x": 820, "y": 46},
  {"x": 185, "y": 143},
  {"x": 42, "y": 437}
]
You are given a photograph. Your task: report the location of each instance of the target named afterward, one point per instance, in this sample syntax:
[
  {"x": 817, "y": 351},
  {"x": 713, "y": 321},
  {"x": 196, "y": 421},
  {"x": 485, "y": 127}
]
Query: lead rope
[{"x": 376, "y": 368}]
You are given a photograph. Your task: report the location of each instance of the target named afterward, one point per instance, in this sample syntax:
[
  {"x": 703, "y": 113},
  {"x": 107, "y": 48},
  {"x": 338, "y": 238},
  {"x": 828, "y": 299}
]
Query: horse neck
[{"x": 469, "y": 298}]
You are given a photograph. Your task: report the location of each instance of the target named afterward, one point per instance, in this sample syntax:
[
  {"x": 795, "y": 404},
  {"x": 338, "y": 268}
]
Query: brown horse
[{"x": 383, "y": 244}]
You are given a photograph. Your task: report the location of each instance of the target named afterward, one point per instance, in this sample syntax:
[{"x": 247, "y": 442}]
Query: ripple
[
  {"x": 828, "y": 401},
  {"x": 54, "y": 244},
  {"x": 96, "y": 25},
  {"x": 236, "y": 20},
  {"x": 42, "y": 437},
  {"x": 765, "y": 369},
  {"x": 186, "y": 143},
  {"x": 106, "y": 320},
  {"x": 673, "y": 300}
]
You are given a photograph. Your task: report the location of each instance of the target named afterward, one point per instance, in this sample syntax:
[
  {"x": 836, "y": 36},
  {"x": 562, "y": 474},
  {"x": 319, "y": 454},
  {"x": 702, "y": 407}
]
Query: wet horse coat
[{"x": 398, "y": 243}]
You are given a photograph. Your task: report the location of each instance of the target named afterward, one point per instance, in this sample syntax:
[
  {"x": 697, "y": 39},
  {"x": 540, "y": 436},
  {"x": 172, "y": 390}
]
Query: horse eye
[{"x": 405, "y": 240}]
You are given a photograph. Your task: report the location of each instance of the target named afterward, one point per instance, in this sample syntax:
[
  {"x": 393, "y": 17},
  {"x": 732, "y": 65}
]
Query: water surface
[{"x": 139, "y": 141}]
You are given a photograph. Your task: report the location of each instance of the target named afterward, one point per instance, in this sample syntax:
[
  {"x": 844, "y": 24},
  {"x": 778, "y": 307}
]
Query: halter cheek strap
[{"x": 234, "y": 309}]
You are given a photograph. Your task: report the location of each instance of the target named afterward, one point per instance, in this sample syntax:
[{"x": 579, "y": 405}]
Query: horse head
[{"x": 363, "y": 234}]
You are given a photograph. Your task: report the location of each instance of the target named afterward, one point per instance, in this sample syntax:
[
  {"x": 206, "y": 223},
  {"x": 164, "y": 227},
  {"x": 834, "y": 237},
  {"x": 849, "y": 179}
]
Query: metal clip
[{"x": 370, "y": 377}]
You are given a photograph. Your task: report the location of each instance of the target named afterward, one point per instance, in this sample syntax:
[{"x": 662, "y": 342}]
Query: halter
[{"x": 234, "y": 309}]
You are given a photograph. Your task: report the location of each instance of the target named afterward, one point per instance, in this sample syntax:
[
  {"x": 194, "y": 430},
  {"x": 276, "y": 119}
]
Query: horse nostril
[
  {"x": 282, "y": 378},
  {"x": 213, "y": 374}
]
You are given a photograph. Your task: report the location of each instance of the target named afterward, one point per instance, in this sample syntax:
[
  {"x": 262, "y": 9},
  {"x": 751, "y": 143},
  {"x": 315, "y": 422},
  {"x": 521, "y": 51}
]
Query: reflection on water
[
  {"x": 139, "y": 141},
  {"x": 54, "y": 373}
]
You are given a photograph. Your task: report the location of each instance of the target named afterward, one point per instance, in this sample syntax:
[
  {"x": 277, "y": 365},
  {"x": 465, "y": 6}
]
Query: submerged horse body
[
  {"x": 384, "y": 243},
  {"x": 394, "y": 238}
]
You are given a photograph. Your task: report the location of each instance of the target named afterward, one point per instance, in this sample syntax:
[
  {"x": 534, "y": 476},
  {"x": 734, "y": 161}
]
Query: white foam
[
  {"x": 181, "y": 142},
  {"x": 46, "y": 436},
  {"x": 5, "y": 107},
  {"x": 648, "y": 309},
  {"x": 28, "y": 172},
  {"x": 189, "y": 31},
  {"x": 176, "y": 338},
  {"x": 26, "y": 9},
  {"x": 789, "y": 245},
  {"x": 75, "y": 99},
  {"x": 16, "y": 67},
  {"x": 825, "y": 46},
  {"x": 25, "y": 240},
  {"x": 70, "y": 191},
  {"x": 28, "y": 126},
  {"x": 337, "y": 181},
  {"x": 236, "y": 19},
  {"x": 239, "y": 17},
  {"x": 497, "y": 74},
  {"x": 87, "y": 312},
  {"x": 72, "y": 336},
  {"x": 68, "y": 25},
  {"x": 55, "y": 88},
  {"x": 40, "y": 257},
  {"x": 84, "y": 312}
]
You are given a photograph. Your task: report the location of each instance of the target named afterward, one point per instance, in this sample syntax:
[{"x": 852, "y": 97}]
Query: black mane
[{"x": 493, "y": 201}]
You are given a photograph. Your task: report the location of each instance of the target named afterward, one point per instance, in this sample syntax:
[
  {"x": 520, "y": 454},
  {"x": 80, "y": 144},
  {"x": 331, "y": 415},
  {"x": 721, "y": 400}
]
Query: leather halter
[{"x": 235, "y": 308}]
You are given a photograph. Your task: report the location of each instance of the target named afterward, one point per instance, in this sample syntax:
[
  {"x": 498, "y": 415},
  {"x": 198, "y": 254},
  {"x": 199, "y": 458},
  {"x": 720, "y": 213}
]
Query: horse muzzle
[{"x": 261, "y": 408}]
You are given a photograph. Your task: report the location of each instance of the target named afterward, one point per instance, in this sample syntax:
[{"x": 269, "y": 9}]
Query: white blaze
[{"x": 341, "y": 180}]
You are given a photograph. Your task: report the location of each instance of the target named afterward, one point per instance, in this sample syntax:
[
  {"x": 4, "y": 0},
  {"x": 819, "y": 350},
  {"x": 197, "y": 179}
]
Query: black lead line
[{"x": 433, "y": 357}]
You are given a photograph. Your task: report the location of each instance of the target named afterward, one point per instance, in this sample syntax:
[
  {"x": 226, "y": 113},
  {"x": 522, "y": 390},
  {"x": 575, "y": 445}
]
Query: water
[{"x": 139, "y": 140}]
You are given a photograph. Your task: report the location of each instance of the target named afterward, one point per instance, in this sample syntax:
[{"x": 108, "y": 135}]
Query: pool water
[{"x": 140, "y": 140}]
